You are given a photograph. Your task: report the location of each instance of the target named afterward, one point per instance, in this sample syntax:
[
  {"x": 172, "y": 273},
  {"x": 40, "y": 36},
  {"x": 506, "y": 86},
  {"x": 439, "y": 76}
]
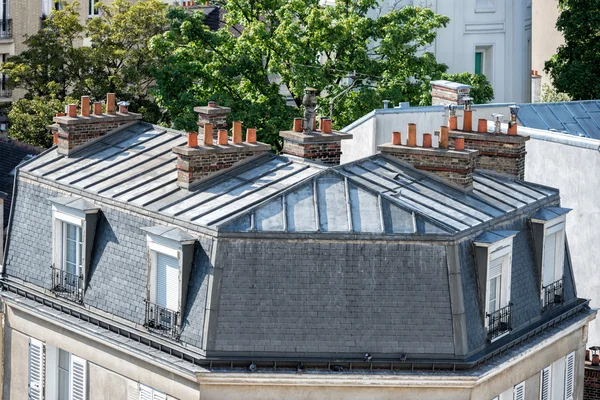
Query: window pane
[
  {"x": 478, "y": 62},
  {"x": 63, "y": 374},
  {"x": 63, "y": 359}
]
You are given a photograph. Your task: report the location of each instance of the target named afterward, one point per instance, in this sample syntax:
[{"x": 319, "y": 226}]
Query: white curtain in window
[
  {"x": 167, "y": 282},
  {"x": 47, "y": 7}
]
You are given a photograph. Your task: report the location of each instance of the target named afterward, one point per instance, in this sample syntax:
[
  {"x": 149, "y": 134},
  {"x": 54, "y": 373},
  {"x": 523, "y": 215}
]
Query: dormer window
[
  {"x": 170, "y": 252},
  {"x": 494, "y": 264},
  {"x": 74, "y": 225},
  {"x": 549, "y": 237}
]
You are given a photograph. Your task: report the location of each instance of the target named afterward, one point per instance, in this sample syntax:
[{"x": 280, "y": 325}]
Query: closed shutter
[
  {"x": 496, "y": 267},
  {"x": 159, "y": 396},
  {"x": 78, "y": 379},
  {"x": 36, "y": 369},
  {"x": 145, "y": 392},
  {"x": 519, "y": 391},
  {"x": 569, "y": 376},
  {"x": 167, "y": 282},
  {"x": 545, "y": 384},
  {"x": 549, "y": 259}
]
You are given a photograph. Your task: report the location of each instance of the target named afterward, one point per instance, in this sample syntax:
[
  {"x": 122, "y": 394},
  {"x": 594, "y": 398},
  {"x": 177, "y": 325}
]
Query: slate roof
[
  {"x": 578, "y": 118},
  {"x": 12, "y": 153}
]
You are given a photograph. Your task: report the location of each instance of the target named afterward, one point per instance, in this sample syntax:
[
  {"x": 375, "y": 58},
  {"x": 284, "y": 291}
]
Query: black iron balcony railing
[
  {"x": 554, "y": 294},
  {"x": 499, "y": 322},
  {"x": 162, "y": 320},
  {"x": 4, "y": 91},
  {"x": 6, "y": 28},
  {"x": 67, "y": 285}
]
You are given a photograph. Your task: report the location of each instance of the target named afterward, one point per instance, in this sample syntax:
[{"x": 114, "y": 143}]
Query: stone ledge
[
  {"x": 489, "y": 137},
  {"x": 315, "y": 137},
  {"x": 217, "y": 110},
  {"x": 221, "y": 149},
  {"x": 80, "y": 120},
  {"x": 427, "y": 151}
]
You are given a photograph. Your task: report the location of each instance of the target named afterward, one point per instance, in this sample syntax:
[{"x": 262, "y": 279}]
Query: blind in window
[
  {"x": 167, "y": 282},
  {"x": 545, "y": 384},
  {"x": 569, "y": 376},
  {"x": 78, "y": 378},
  {"x": 496, "y": 267},
  {"x": 36, "y": 368},
  {"x": 549, "y": 258},
  {"x": 519, "y": 392}
]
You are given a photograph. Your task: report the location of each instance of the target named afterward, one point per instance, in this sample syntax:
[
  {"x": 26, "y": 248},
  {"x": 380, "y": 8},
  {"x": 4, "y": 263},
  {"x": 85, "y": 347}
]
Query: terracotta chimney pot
[
  {"x": 596, "y": 359},
  {"x": 85, "y": 106},
  {"x": 459, "y": 143},
  {"x": 212, "y": 103},
  {"x": 60, "y": 114},
  {"x": 427, "y": 140},
  {"x": 482, "y": 125},
  {"x": 208, "y": 134},
  {"x": 468, "y": 121},
  {"x": 325, "y": 125},
  {"x": 396, "y": 138},
  {"x": 97, "y": 108},
  {"x": 192, "y": 139},
  {"x": 412, "y": 135},
  {"x": 110, "y": 103},
  {"x": 443, "y": 143},
  {"x": 55, "y": 137},
  {"x": 251, "y": 135},
  {"x": 72, "y": 110},
  {"x": 223, "y": 137},
  {"x": 237, "y": 132},
  {"x": 297, "y": 125}
]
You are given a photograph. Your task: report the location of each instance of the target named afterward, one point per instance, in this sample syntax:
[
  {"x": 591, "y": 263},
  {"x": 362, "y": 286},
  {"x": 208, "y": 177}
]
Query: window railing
[
  {"x": 4, "y": 92},
  {"x": 554, "y": 294},
  {"x": 162, "y": 320},
  {"x": 67, "y": 285},
  {"x": 6, "y": 28},
  {"x": 499, "y": 322}
]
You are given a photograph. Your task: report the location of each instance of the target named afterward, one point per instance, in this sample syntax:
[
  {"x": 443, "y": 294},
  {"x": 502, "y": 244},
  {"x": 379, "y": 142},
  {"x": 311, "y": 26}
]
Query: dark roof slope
[
  {"x": 579, "y": 118},
  {"x": 12, "y": 153}
]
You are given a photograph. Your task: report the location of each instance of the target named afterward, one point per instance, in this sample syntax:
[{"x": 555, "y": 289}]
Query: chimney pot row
[
  {"x": 85, "y": 106},
  {"x": 223, "y": 138}
]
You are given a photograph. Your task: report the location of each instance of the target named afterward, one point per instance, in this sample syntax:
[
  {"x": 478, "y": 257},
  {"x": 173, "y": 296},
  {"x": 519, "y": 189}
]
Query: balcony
[
  {"x": 161, "y": 320},
  {"x": 4, "y": 92},
  {"x": 499, "y": 323},
  {"x": 553, "y": 294},
  {"x": 67, "y": 285},
  {"x": 6, "y": 29}
]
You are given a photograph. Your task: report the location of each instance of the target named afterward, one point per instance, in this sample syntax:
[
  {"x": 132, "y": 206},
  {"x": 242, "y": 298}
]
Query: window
[
  {"x": 479, "y": 62},
  {"x": 553, "y": 263},
  {"x": 147, "y": 393},
  {"x": 93, "y": 9},
  {"x": 74, "y": 222},
  {"x": 170, "y": 254},
  {"x": 545, "y": 383},
  {"x": 55, "y": 373},
  {"x": 569, "y": 376},
  {"x": 483, "y": 61},
  {"x": 519, "y": 391},
  {"x": 493, "y": 251}
]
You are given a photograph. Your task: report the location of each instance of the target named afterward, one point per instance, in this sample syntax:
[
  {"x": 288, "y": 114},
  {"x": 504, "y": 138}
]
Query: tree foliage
[
  {"x": 481, "y": 89},
  {"x": 551, "y": 95},
  {"x": 269, "y": 47},
  {"x": 574, "y": 68},
  {"x": 109, "y": 54}
]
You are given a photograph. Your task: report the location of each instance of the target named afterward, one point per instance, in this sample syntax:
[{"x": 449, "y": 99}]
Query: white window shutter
[
  {"x": 545, "y": 384},
  {"x": 36, "y": 369},
  {"x": 519, "y": 391},
  {"x": 569, "y": 376},
  {"x": 78, "y": 379},
  {"x": 167, "y": 282},
  {"x": 145, "y": 392},
  {"x": 159, "y": 396}
]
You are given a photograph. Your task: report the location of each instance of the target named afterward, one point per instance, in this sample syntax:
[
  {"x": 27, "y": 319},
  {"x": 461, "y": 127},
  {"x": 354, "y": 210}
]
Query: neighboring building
[
  {"x": 142, "y": 262},
  {"x": 545, "y": 38},
  {"x": 562, "y": 153},
  {"x": 489, "y": 37}
]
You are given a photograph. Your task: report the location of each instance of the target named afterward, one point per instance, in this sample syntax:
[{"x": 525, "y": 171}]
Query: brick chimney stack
[
  {"x": 502, "y": 152},
  {"x": 212, "y": 114},
  {"x": 444, "y": 93},
  {"x": 201, "y": 159},
  {"x": 306, "y": 141},
  {"x": 72, "y": 132},
  {"x": 454, "y": 165}
]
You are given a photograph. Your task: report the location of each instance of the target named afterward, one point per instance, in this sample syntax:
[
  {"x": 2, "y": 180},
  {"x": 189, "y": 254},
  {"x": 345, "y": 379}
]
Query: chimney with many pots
[
  {"x": 214, "y": 115},
  {"x": 306, "y": 141},
  {"x": 74, "y": 131},
  {"x": 502, "y": 152},
  {"x": 455, "y": 165},
  {"x": 200, "y": 159}
]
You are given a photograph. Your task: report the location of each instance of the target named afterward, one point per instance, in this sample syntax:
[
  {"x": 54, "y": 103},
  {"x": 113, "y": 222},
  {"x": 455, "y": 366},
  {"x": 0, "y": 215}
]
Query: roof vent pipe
[
  {"x": 386, "y": 104},
  {"x": 452, "y": 122},
  {"x": 512, "y": 125},
  {"x": 310, "y": 105},
  {"x": 498, "y": 123},
  {"x": 468, "y": 119}
]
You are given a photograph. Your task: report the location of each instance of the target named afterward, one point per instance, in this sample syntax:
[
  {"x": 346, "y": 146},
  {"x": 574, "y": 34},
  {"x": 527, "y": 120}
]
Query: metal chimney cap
[
  {"x": 497, "y": 116},
  {"x": 123, "y": 103},
  {"x": 467, "y": 99},
  {"x": 514, "y": 110}
]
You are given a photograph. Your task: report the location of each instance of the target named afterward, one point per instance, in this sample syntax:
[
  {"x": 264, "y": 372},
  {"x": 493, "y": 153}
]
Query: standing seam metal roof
[{"x": 578, "y": 118}]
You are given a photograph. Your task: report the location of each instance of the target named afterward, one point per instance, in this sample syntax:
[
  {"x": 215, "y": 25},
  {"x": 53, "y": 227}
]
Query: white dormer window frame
[
  {"x": 164, "y": 250},
  {"x": 498, "y": 285},
  {"x": 553, "y": 254},
  {"x": 69, "y": 251}
]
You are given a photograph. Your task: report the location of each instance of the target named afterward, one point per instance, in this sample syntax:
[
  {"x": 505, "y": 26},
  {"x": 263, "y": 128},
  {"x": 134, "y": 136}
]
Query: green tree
[
  {"x": 271, "y": 47},
  {"x": 551, "y": 95},
  {"x": 109, "y": 54},
  {"x": 574, "y": 68}
]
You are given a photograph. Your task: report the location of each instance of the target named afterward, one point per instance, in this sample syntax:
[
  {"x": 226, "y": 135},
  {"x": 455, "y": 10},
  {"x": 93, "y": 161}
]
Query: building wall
[{"x": 545, "y": 38}]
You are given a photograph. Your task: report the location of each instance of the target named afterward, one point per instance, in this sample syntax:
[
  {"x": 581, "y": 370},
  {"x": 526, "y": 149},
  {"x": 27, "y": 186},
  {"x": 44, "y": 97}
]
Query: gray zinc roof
[
  {"x": 136, "y": 166},
  {"x": 579, "y": 118}
]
